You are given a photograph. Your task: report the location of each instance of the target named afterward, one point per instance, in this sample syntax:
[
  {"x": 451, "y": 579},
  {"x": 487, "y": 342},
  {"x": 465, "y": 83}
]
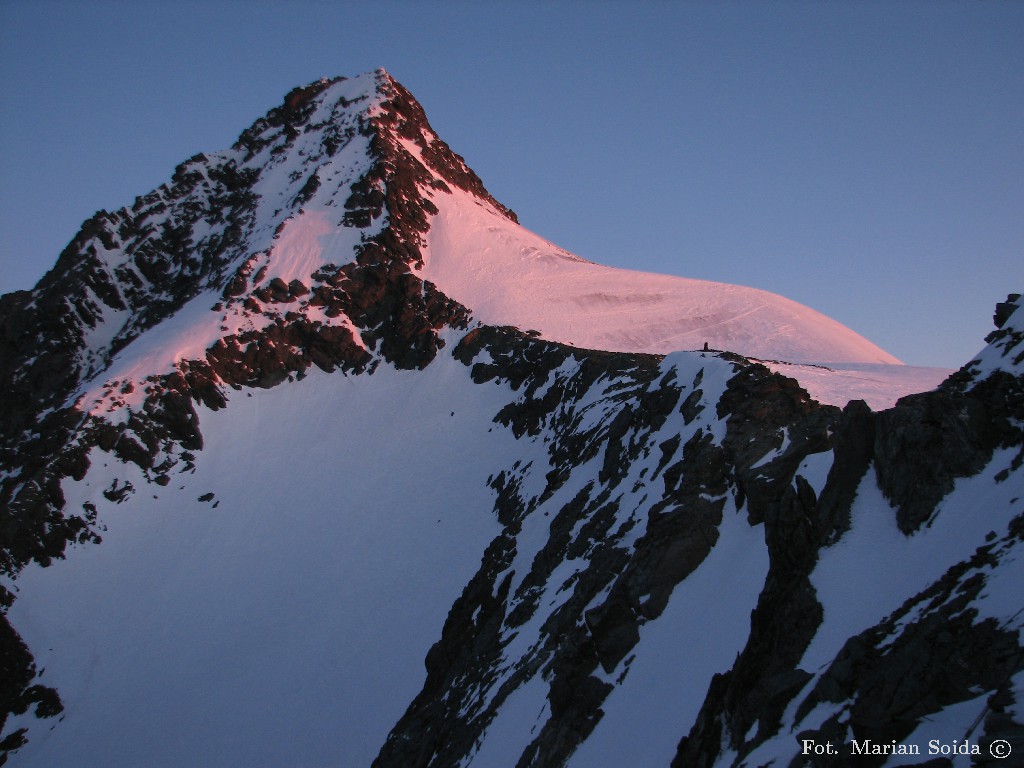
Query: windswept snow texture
[{"x": 510, "y": 276}]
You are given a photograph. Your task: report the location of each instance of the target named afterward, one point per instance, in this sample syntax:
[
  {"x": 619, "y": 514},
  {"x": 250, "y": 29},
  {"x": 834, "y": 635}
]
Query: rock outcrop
[{"x": 630, "y": 471}]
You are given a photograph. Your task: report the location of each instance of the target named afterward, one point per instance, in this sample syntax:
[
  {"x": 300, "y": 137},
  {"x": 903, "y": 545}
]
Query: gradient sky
[{"x": 864, "y": 159}]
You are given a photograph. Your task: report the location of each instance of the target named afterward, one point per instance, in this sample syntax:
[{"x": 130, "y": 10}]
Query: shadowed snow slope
[
  {"x": 283, "y": 619},
  {"x": 286, "y": 479}
]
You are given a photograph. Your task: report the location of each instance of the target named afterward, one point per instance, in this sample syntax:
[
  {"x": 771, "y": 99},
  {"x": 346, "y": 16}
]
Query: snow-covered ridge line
[
  {"x": 510, "y": 276},
  {"x": 321, "y": 369}
]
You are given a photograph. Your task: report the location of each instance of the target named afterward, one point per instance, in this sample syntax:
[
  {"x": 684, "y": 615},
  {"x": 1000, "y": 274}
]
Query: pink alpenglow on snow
[
  {"x": 510, "y": 276},
  {"x": 477, "y": 254}
]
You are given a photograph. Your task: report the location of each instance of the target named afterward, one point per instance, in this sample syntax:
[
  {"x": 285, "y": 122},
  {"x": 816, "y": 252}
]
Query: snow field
[{"x": 288, "y": 624}]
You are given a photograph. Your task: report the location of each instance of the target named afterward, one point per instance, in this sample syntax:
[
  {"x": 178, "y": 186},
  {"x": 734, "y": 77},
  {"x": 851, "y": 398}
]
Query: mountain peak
[
  {"x": 520, "y": 517},
  {"x": 402, "y": 118},
  {"x": 357, "y": 154},
  {"x": 386, "y": 111},
  {"x": 341, "y": 216}
]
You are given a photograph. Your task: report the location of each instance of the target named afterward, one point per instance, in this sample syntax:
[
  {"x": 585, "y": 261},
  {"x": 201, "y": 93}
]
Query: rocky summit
[{"x": 314, "y": 456}]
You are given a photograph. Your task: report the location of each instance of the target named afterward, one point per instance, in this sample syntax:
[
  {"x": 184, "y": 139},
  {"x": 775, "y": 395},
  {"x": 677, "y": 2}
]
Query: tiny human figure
[{"x": 706, "y": 348}]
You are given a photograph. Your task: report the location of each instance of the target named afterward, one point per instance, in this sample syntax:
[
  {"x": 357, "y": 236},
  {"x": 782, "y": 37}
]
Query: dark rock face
[
  {"x": 890, "y": 677},
  {"x": 629, "y": 464},
  {"x": 632, "y": 547},
  {"x": 629, "y": 552},
  {"x": 1005, "y": 309},
  {"x": 925, "y": 444},
  {"x": 138, "y": 266}
]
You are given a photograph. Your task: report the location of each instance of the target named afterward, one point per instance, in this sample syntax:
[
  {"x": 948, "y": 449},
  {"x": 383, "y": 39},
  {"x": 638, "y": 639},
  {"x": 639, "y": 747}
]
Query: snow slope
[
  {"x": 495, "y": 547},
  {"x": 285, "y": 620},
  {"x": 510, "y": 276},
  {"x": 879, "y": 385}
]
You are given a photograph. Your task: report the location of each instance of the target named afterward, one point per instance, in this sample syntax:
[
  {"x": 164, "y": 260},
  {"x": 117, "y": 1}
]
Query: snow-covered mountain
[
  {"x": 314, "y": 456},
  {"x": 512, "y": 277}
]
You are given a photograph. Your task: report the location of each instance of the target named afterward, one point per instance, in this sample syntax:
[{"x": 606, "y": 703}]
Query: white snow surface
[
  {"x": 699, "y": 634},
  {"x": 285, "y": 620},
  {"x": 288, "y": 624},
  {"x": 879, "y": 385},
  {"x": 506, "y": 275},
  {"x": 510, "y": 276}
]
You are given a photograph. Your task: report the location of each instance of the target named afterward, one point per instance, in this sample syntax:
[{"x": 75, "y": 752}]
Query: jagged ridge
[
  {"x": 213, "y": 230},
  {"x": 632, "y": 472}
]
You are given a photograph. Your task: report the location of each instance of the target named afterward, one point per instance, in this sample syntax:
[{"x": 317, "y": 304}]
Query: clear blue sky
[{"x": 865, "y": 159}]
